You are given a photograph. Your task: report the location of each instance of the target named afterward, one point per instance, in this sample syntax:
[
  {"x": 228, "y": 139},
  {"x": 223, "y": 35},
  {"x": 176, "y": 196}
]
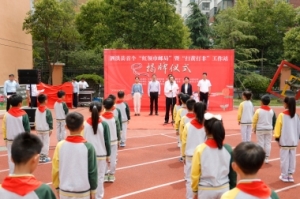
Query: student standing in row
[
  {"x": 21, "y": 183},
  {"x": 245, "y": 114},
  {"x": 97, "y": 133},
  {"x": 193, "y": 134},
  {"x": 74, "y": 164},
  {"x": 153, "y": 93},
  {"x": 287, "y": 133},
  {"x": 263, "y": 124},
  {"x": 14, "y": 122},
  {"x": 212, "y": 173},
  {"x": 61, "y": 110},
  {"x": 125, "y": 113},
  {"x": 44, "y": 126}
]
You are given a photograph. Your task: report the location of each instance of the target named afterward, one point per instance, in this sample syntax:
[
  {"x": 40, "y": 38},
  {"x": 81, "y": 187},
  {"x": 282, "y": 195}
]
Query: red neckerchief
[
  {"x": 42, "y": 108},
  {"x": 59, "y": 101},
  {"x": 119, "y": 101},
  {"x": 16, "y": 112},
  {"x": 190, "y": 115},
  {"x": 265, "y": 107},
  {"x": 211, "y": 143},
  {"x": 90, "y": 122},
  {"x": 196, "y": 124},
  {"x": 108, "y": 115},
  {"x": 286, "y": 112},
  {"x": 75, "y": 139},
  {"x": 21, "y": 185},
  {"x": 255, "y": 188}
]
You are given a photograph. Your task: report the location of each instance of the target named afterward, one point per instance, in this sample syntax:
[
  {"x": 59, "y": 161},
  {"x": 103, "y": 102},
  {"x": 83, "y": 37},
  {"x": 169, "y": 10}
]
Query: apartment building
[{"x": 15, "y": 44}]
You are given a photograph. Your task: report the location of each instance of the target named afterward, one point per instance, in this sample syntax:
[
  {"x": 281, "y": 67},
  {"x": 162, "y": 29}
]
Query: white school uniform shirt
[
  {"x": 34, "y": 90},
  {"x": 263, "y": 119},
  {"x": 75, "y": 87},
  {"x": 193, "y": 134},
  {"x": 59, "y": 111},
  {"x": 204, "y": 85},
  {"x": 83, "y": 85},
  {"x": 245, "y": 112},
  {"x": 168, "y": 87},
  {"x": 112, "y": 128}
]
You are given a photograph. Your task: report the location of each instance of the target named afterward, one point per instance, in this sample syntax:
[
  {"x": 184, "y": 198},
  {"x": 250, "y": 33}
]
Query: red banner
[{"x": 122, "y": 66}]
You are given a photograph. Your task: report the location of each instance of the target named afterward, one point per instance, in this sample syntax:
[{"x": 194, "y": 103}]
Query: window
[{"x": 206, "y": 6}]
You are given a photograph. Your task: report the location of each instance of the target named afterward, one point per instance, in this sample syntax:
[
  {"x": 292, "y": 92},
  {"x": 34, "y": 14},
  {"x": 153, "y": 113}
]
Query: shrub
[{"x": 256, "y": 83}]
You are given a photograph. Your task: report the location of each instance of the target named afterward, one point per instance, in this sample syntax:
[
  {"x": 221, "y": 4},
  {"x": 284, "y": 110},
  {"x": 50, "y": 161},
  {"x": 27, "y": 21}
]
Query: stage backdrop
[{"x": 122, "y": 66}]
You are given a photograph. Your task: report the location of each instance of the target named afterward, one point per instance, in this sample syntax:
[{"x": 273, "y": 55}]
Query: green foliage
[
  {"x": 91, "y": 78},
  {"x": 199, "y": 28},
  {"x": 148, "y": 24},
  {"x": 256, "y": 83},
  {"x": 291, "y": 41}
]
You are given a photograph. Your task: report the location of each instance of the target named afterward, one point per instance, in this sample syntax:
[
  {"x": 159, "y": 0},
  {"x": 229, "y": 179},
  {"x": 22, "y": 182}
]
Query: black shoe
[
  {"x": 156, "y": 113},
  {"x": 135, "y": 114},
  {"x": 165, "y": 122},
  {"x": 139, "y": 114},
  {"x": 150, "y": 114},
  {"x": 173, "y": 121}
]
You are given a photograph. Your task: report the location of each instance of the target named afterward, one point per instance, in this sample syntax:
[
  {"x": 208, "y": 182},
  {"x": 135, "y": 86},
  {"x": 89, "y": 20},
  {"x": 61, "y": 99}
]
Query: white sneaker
[
  {"x": 283, "y": 178},
  {"x": 290, "y": 178},
  {"x": 179, "y": 144},
  {"x": 266, "y": 160},
  {"x": 106, "y": 178}
]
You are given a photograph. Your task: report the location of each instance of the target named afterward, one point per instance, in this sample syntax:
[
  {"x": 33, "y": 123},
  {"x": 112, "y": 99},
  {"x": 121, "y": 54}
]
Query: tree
[
  {"x": 291, "y": 41},
  {"x": 51, "y": 25},
  {"x": 139, "y": 24},
  {"x": 199, "y": 27}
]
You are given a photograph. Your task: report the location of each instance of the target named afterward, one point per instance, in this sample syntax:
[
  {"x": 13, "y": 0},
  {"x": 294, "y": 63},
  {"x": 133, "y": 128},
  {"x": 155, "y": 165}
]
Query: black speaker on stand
[{"x": 29, "y": 77}]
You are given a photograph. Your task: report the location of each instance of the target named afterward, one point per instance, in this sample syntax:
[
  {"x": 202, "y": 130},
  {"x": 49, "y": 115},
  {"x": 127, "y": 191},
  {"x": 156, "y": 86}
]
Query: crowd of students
[{"x": 210, "y": 165}]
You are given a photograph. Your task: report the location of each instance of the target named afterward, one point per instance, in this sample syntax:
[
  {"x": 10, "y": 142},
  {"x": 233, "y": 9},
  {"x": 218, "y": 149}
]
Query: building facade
[{"x": 15, "y": 44}]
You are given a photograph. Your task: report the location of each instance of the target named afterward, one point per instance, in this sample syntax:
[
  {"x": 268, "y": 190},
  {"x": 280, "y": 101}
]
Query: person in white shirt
[
  {"x": 10, "y": 88},
  {"x": 32, "y": 99},
  {"x": 75, "y": 92},
  {"x": 83, "y": 84},
  {"x": 170, "y": 91},
  {"x": 153, "y": 93},
  {"x": 187, "y": 88},
  {"x": 204, "y": 89}
]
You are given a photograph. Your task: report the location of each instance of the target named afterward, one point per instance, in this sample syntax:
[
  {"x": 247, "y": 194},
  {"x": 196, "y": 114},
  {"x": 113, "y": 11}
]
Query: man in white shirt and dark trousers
[
  {"x": 204, "y": 89},
  {"x": 83, "y": 84},
  {"x": 10, "y": 88},
  {"x": 153, "y": 93},
  {"x": 170, "y": 91},
  {"x": 75, "y": 92},
  {"x": 32, "y": 99}
]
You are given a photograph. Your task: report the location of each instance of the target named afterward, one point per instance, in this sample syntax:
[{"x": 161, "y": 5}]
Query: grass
[{"x": 274, "y": 102}]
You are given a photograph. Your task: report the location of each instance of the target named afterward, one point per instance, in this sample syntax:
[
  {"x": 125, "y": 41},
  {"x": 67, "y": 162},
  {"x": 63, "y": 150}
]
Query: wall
[
  {"x": 15, "y": 45},
  {"x": 296, "y": 3}
]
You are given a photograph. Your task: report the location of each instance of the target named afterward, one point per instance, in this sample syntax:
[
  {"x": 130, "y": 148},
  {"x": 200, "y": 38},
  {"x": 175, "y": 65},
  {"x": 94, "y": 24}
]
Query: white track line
[
  {"x": 232, "y": 134},
  {"x": 148, "y": 146},
  {"x": 288, "y": 187},
  {"x": 146, "y": 163},
  {"x": 142, "y": 136},
  {"x": 169, "y": 136},
  {"x": 148, "y": 189}
]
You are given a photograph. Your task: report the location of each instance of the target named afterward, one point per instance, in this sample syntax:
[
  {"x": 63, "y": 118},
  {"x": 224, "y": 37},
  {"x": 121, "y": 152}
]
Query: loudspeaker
[
  {"x": 31, "y": 115},
  {"x": 28, "y": 76}
]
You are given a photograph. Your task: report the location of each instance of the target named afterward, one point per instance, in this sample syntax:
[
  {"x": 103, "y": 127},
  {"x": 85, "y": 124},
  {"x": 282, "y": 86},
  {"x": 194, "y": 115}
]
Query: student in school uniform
[
  {"x": 193, "y": 134},
  {"x": 287, "y": 133},
  {"x": 74, "y": 164},
  {"x": 14, "y": 122},
  {"x": 44, "y": 126},
  {"x": 245, "y": 114},
  {"x": 97, "y": 133},
  {"x": 188, "y": 117},
  {"x": 61, "y": 110},
  {"x": 115, "y": 137},
  {"x": 180, "y": 113},
  {"x": 125, "y": 113},
  {"x": 21, "y": 183},
  {"x": 177, "y": 106},
  {"x": 248, "y": 158},
  {"x": 263, "y": 123},
  {"x": 116, "y": 111},
  {"x": 212, "y": 174}
]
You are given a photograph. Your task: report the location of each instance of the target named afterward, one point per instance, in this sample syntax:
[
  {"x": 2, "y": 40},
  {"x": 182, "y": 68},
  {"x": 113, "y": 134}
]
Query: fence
[{"x": 21, "y": 91}]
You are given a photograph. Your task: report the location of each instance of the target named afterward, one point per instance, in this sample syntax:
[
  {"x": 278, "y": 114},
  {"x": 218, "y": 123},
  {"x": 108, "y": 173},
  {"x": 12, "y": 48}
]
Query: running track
[{"x": 148, "y": 166}]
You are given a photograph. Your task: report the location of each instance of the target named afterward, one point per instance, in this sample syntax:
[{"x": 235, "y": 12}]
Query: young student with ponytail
[
  {"x": 115, "y": 137},
  {"x": 212, "y": 173},
  {"x": 287, "y": 133},
  {"x": 193, "y": 134},
  {"x": 97, "y": 133},
  {"x": 177, "y": 106}
]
